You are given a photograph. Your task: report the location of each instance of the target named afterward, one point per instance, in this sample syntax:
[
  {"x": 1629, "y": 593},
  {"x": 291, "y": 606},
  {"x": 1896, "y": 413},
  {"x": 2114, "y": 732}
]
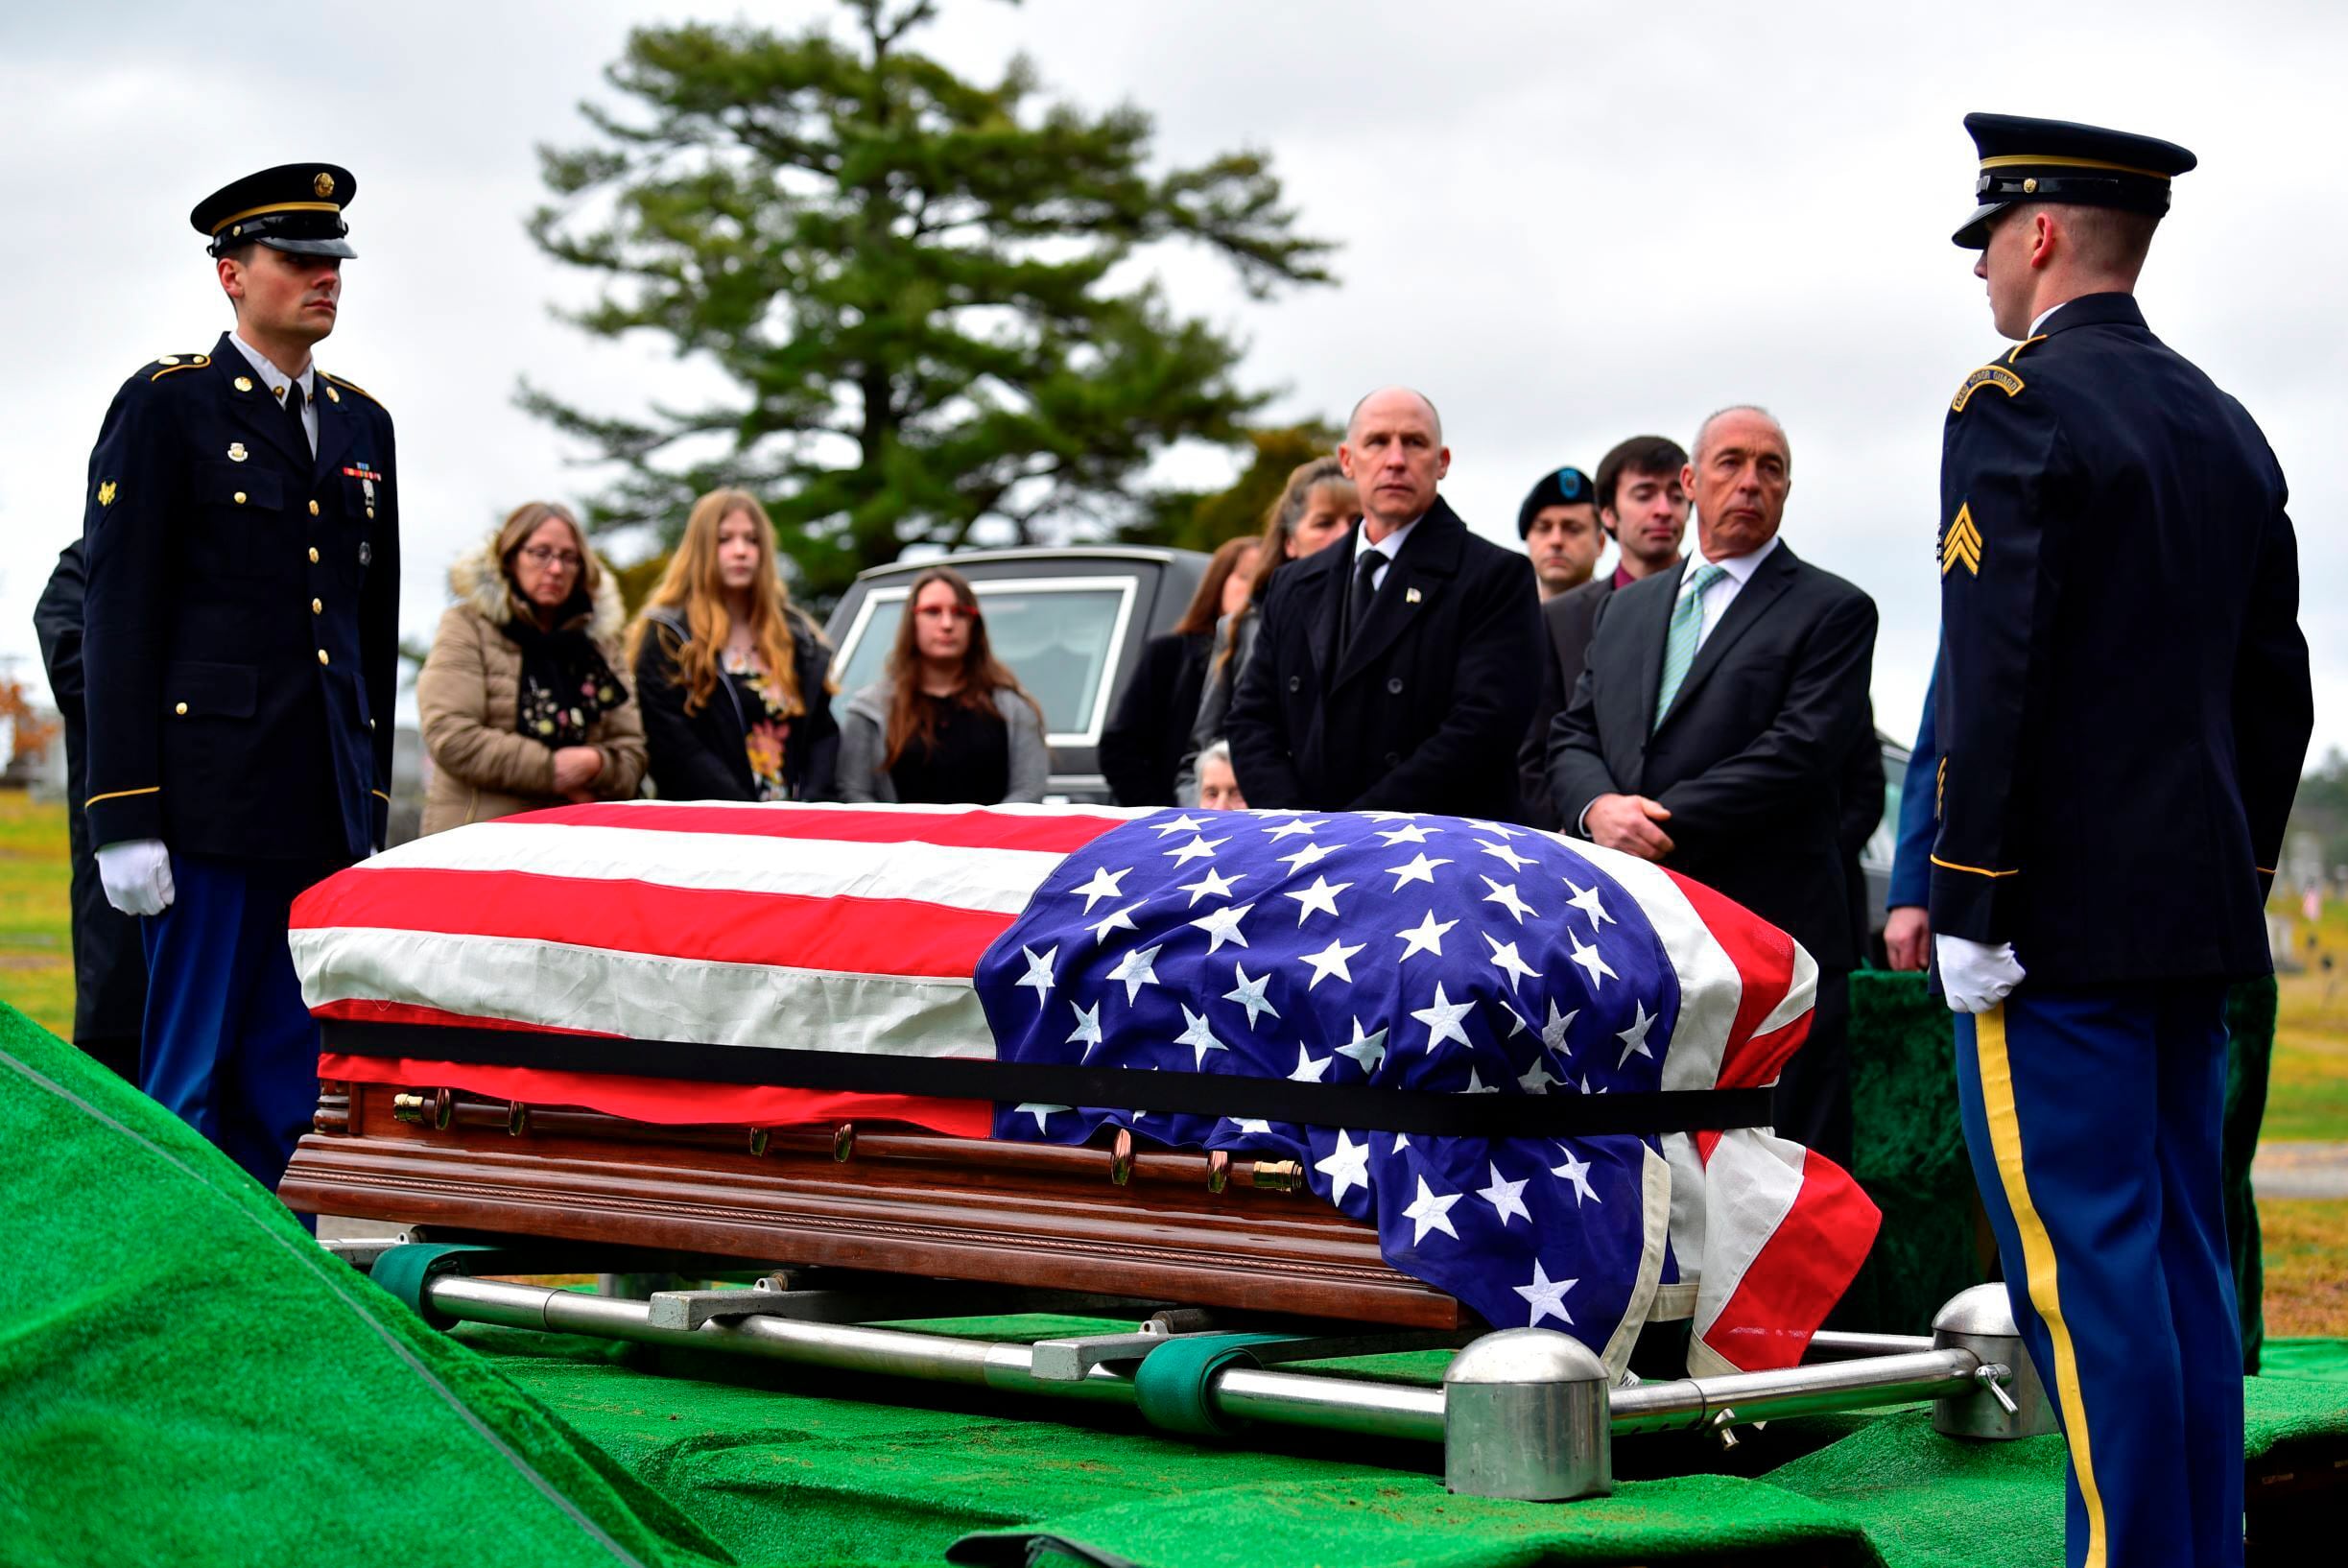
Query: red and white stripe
[
  {"x": 1766, "y": 1234},
  {"x": 812, "y": 927}
]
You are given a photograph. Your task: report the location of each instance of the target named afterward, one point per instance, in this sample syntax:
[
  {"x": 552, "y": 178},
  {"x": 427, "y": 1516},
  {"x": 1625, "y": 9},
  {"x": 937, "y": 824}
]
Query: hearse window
[{"x": 1059, "y": 635}]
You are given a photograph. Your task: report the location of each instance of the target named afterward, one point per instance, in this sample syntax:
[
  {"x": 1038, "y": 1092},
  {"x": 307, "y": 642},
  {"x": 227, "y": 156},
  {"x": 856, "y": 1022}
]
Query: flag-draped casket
[{"x": 1535, "y": 1067}]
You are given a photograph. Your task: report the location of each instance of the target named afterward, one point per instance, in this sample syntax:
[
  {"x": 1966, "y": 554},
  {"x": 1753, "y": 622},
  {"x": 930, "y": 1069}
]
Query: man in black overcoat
[
  {"x": 109, "y": 971},
  {"x": 1397, "y": 671},
  {"x": 1712, "y": 726},
  {"x": 240, "y": 644}
]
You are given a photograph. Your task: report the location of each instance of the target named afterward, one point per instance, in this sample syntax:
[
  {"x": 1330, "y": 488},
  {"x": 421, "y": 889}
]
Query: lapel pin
[
  {"x": 243, "y": 383},
  {"x": 1410, "y": 596},
  {"x": 236, "y": 451}
]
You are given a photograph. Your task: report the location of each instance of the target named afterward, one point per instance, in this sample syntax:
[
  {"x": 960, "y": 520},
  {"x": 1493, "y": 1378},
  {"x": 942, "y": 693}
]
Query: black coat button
[
  {"x": 1295, "y": 683},
  {"x": 1393, "y": 685},
  {"x": 1393, "y": 759}
]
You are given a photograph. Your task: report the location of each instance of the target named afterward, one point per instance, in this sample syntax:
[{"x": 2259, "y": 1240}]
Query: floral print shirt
[{"x": 768, "y": 730}]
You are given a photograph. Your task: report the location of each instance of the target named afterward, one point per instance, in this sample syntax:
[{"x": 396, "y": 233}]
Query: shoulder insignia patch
[
  {"x": 106, "y": 493},
  {"x": 177, "y": 362},
  {"x": 1962, "y": 544},
  {"x": 351, "y": 386},
  {"x": 1988, "y": 376}
]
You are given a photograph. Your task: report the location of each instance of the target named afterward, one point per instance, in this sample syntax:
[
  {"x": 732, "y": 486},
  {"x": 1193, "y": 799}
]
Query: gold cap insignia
[
  {"x": 1962, "y": 544},
  {"x": 243, "y": 383},
  {"x": 324, "y": 185},
  {"x": 236, "y": 451},
  {"x": 106, "y": 493}
]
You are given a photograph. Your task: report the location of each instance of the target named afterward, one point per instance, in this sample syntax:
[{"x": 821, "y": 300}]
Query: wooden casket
[
  {"x": 809, "y": 1036},
  {"x": 1203, "y": 1229}
]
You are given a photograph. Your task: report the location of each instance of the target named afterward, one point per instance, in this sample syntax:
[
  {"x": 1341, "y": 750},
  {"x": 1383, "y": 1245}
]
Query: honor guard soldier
[
  {"x": 240, "y": 642},
  {"x": 2123, "y": 707}
]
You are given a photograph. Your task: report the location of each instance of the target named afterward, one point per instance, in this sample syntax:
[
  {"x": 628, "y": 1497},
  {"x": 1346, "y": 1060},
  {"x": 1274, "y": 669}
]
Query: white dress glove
[
  {"x": 136, "y": 874},
  {"x": 1975, "y": 975}
]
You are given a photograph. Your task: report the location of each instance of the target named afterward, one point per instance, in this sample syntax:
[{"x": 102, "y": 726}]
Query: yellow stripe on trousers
[{"x": 2037, "y": 1259}]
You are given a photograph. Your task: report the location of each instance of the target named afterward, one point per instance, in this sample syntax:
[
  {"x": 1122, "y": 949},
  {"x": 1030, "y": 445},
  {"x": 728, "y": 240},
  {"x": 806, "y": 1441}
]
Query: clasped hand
[{"x": 1627, "y": 822}]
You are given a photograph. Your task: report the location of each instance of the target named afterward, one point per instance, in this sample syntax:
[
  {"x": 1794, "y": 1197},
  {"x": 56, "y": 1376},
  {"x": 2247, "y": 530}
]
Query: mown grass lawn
[
  {"x": 35, "y": 913},
  {"x": 2306, "y": 1096}
]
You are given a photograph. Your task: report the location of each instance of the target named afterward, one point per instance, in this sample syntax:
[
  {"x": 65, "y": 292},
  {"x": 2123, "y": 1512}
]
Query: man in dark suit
[
  {"x": 1642, "y": 506},
  {"x": 109, "y": 971},
  {"x": 1397, "y": 670},
  {"x": 1711, "y": 726},
  {"x": 2123, "y": 710},
  {"x": 240, "y": 644}
]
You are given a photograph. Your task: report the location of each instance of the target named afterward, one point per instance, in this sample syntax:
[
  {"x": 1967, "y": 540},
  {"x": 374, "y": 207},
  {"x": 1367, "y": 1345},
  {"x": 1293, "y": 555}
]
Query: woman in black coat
[
  {"x": 1148, "y": 736},
  {"x": 733, "y": 681}
]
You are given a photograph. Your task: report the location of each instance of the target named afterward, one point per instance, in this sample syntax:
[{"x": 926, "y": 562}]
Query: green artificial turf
[{"x": 185, "y": 1378}]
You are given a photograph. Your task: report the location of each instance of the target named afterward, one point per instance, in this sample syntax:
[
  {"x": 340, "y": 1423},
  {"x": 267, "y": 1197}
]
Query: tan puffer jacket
[{"x": 482, "y": 768}]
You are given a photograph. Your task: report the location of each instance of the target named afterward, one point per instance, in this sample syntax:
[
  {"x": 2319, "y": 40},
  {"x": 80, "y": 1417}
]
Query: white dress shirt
[
  {"x": 276, "y": 380},
  {"x": 1723, "y": 590},
  {"x": 2040, "y": 324},
  {"x": 1390, "y": 547}
]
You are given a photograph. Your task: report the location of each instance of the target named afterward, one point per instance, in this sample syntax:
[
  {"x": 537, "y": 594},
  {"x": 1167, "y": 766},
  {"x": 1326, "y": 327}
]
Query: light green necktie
[{"x": 1679, "y": 640}]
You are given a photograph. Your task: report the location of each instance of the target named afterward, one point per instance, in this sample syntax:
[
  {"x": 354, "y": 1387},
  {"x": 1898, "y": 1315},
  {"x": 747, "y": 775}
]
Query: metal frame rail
[{"x": 1523, "y": 1412}]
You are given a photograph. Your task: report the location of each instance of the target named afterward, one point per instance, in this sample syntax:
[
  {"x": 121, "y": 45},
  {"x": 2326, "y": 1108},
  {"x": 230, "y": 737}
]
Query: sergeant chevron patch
[
  {"x": 1962, "y": 544},
  {"x": 1988, "y": 376}
]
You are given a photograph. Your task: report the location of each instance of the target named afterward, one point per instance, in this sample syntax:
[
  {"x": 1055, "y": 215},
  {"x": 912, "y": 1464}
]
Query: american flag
[{"x": 1424, "y": 952}]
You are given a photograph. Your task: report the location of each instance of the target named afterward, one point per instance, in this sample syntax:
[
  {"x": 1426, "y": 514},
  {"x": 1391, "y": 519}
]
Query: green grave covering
[{"x": 185, "y": 1378}]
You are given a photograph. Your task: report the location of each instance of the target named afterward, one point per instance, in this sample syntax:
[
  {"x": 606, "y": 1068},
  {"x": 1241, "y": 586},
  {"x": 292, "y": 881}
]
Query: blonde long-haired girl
[{"x": 734, "y": 681}]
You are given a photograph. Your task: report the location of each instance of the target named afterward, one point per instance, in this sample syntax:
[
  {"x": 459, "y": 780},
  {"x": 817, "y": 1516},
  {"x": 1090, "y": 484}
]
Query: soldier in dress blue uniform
[
  {"x": 2123, "y": 710},
  {"x": 240, "y": 642}
]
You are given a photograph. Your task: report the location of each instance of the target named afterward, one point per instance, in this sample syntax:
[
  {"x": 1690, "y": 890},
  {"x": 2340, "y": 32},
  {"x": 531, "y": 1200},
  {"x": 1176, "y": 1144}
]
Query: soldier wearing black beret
[
  {"x": 1558, "y": 523},
  {"x": 2123, "y": 710},
  {"x": 241, "y": 521}
]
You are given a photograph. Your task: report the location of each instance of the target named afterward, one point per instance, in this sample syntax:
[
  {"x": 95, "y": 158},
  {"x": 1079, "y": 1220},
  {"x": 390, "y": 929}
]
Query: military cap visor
[
  {"x": 2026, "y": 160},
  {"x": 296, "y": 207}
]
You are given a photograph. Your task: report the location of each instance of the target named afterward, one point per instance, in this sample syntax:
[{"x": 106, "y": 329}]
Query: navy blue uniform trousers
[
  {"x": 228, "y": 1046},
  {"x": 2093, "y": 1119}
]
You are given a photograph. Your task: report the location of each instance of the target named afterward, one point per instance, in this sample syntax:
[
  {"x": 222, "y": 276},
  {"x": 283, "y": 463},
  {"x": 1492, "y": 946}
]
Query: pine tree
[{"x": 916, "y": 285}]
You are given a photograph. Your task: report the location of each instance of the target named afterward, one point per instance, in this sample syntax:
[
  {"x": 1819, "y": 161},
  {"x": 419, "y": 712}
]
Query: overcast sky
[{"x": 1566, "y": 223}]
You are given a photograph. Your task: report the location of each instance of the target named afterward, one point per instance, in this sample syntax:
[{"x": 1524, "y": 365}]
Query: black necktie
[
  {"x": 1365, "y": 590},
  {"x": 293, "y": 419}
]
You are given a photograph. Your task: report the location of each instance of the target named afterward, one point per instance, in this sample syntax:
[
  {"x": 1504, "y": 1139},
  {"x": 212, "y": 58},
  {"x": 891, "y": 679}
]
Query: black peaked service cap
[
  {"x": 294, "y": 207},
  {"x": 2024, "y": 159}
]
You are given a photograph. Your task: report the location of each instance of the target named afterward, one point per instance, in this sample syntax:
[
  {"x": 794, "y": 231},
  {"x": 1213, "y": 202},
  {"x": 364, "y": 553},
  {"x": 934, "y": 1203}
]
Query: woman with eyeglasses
[
  {"x": 735, "y": 680},
  {"x": 946, "y": 722},
  {"x": 519, "y": 701}
]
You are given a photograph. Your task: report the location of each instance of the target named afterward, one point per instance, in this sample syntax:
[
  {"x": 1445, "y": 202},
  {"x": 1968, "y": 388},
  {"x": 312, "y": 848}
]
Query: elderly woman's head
[{"x": 544, "y": 555}]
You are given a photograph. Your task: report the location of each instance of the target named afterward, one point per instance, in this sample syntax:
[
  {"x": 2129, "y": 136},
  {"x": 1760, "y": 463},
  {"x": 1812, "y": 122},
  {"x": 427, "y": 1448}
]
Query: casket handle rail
[
  {"x": 1279, "y": 1175},
  {"x": 416, "y": 1106},
  {"x": 444, "y": 1109}
]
